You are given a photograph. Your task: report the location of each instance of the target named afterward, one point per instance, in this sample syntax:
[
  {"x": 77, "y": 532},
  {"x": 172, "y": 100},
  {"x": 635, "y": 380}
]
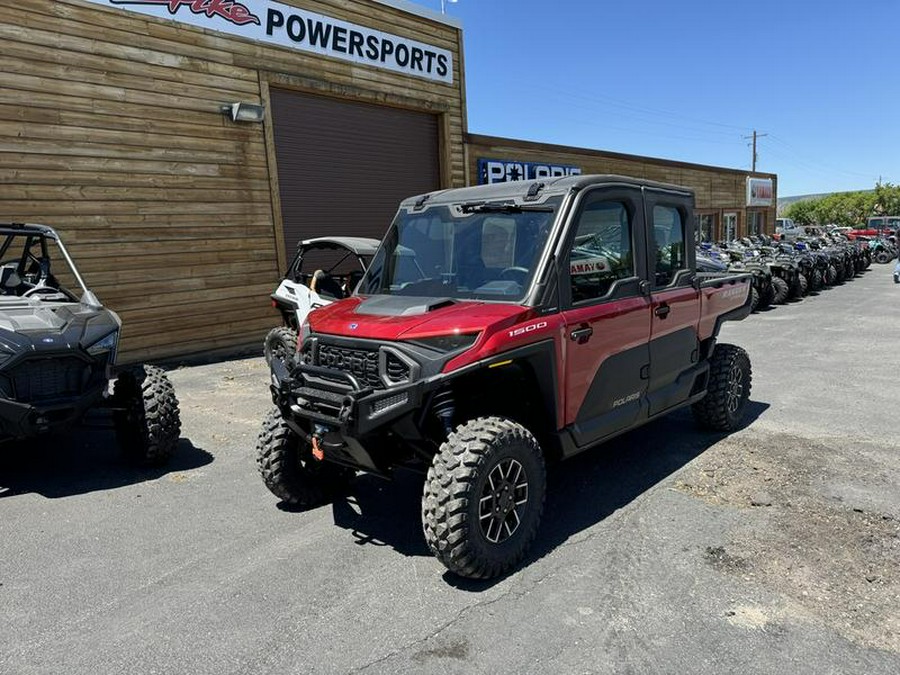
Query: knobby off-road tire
[
  {"x": 147, "y": 421},
  {"x": 723, "y": 407},
  {"x": 831, "y": 275},
  {"x": 484, "y": 496},
  {"x": 817, "y": 280},
  {"x": 289, "y": 470},
  {"x": 767, "y": 296},
  {"x": 883, "y": 257},
  {"x": 782, "y": 291},
  {"x": 280, "y": 343},
  {"x": 803, "y": 284},
  {"x": 754, "y": 299}
]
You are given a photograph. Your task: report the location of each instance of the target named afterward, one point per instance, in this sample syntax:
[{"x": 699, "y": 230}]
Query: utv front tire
[
  {"x": 725, "y": 403},
  {"x": 280, "y": 343},
  {"x": 289, "y": 470},
  {"x": 781, "y": 291},
  {"x": 146, "y": 419},
  {"x": 484, "y": 496}
]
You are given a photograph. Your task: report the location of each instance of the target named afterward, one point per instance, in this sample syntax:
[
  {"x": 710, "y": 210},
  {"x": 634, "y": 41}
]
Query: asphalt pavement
[{"x": 774, "y": 549}]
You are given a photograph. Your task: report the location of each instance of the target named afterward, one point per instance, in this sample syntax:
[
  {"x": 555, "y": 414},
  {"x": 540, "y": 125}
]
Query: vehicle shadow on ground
[
  {"x": 580, "y": 492},
  {"x": 384, "y": 513},
  {"x": 86, "y": 460}
]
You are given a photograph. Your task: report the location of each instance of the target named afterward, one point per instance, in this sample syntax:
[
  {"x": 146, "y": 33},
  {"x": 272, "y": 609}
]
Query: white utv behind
[{"x": 324, "y": 270}]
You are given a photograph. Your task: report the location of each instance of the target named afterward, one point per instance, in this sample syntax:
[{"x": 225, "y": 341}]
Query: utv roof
[
  {"x": 358, "y": 245},
  {"x": 28, "y": 228},
  {"x": 519, "y": 190}
]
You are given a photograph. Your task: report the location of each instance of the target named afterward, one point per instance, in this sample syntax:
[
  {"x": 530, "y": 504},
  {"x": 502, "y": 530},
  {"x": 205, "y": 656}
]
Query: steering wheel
[
  {"x": 39, "y": 289},
  {"x": 517, "y": 274}
]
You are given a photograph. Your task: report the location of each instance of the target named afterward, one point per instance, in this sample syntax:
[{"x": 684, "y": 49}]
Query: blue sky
[{"x": 687, "y": 80}]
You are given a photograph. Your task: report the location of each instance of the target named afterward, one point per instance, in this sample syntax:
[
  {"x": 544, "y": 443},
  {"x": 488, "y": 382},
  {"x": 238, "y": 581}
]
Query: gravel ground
[{"x": 773, "y": 549}]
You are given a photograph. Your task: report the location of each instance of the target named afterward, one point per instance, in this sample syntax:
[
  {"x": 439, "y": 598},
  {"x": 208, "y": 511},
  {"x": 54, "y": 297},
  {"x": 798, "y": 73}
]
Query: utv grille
[
  {"x": 361, "y": 363},
  {"x": 40, "y": 380}
]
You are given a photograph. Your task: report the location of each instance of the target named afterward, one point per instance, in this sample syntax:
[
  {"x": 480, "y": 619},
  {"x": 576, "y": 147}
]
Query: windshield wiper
[{"x": 502, "y": 207}]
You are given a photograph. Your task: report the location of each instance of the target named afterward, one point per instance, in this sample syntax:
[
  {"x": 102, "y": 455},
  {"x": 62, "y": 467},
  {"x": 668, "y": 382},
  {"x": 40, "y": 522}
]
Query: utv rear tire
[
  {"x": 147, "y": 421},
  {"x": 483, "y": 497},
  {"x": 723, "y": 407},
  {"x": 754, "y": 299},
  {"x": 280, "y": 343},
  {"x": 782, "y": 291},
  {"x": 289, "y": 470}
]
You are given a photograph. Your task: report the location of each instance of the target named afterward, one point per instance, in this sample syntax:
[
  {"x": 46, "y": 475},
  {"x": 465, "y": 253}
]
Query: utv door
[
  {"x": 606, "y": 314},
  {"x": 674, "y": 348}
]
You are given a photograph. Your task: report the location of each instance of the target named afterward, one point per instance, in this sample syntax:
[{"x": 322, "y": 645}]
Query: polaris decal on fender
[{"x": 530, "y": 328}]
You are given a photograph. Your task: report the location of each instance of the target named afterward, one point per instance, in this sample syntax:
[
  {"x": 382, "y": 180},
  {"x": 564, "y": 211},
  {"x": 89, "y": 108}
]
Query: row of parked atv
[{"x": 784, "y": 271}]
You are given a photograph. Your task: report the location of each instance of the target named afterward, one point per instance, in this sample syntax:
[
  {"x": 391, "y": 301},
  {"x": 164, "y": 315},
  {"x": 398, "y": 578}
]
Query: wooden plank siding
[
  {"x": 111, "y": 131},
  {"x": 716, "y": 188}
]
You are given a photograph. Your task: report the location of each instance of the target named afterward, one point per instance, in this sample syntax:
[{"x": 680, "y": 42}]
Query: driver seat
[
  {"x": 325, "y": 284},
  {"x": 10, "y": 281}
]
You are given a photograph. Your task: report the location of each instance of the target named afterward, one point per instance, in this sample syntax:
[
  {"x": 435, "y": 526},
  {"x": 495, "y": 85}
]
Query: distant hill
[{"x": 784, "y": 202}]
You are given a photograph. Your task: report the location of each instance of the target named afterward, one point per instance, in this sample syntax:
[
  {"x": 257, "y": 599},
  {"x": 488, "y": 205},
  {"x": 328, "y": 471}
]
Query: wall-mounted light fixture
[{"x": 244, "y": 112}]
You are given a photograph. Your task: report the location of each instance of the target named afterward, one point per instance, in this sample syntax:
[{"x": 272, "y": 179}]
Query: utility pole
[{"x": 754, "y": 137}]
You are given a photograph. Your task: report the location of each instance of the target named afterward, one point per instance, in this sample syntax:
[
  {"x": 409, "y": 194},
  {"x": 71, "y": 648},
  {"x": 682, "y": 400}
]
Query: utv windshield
[{"x": 486, "y": 251}]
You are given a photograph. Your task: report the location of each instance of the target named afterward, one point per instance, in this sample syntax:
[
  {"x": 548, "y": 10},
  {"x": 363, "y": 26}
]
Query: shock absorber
[{"x": 444, "y": 407}]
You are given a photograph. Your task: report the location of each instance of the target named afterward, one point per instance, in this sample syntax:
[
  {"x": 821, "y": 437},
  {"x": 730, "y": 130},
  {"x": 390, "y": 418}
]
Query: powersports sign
[
  {"x": 492, "y": 171},
  {"x": 279, "y": 24}
]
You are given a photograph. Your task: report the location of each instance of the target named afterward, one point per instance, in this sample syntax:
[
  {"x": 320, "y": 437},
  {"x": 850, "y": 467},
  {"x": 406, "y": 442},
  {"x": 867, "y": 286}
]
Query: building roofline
[
  {"x": 418, "y": 10},
  {"x": 538, "y": 146}
]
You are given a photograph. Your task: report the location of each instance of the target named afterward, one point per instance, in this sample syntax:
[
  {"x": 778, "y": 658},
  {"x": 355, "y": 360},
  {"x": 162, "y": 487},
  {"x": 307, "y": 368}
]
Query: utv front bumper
[
  {"x": 336, "y": 399},
  {"x": 25, "y": 420}
]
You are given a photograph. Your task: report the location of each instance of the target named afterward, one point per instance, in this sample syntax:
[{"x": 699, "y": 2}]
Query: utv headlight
[
  {"x": 448, "y": 343},
  {"x": 103, "y": 345}
]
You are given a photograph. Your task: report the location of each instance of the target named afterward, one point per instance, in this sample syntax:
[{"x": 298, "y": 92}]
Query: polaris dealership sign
[
  {"x": 286, "y": 26},
  {"x": 492, "y": 171}
]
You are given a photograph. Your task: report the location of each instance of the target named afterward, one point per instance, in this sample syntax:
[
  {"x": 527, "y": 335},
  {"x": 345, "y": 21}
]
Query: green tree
[
  {"x": 887, "y": 199},
  {"x": 803, "y": 213}
]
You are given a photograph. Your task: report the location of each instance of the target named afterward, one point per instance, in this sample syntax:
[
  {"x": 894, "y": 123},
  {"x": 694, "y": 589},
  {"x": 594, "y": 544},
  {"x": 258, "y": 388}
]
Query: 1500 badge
[{"x": 530, "y": 328}]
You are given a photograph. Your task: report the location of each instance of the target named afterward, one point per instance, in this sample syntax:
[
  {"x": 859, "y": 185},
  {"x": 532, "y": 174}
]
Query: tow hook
[
  {"x": 316, "y": 450},
  {"x": 319, "y": 430}
]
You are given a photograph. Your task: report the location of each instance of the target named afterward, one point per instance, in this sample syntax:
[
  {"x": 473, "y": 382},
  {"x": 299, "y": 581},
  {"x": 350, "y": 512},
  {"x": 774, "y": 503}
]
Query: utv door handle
[
  {"x": 581, "y": 335},
  {"x": 663, "y": 311}
]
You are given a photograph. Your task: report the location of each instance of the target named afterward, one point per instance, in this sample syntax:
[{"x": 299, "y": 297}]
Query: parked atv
[
  {"x": 58, "y": 353},
  {"x": 883, "y": 250},
  {"x": 323, "y": 270}
]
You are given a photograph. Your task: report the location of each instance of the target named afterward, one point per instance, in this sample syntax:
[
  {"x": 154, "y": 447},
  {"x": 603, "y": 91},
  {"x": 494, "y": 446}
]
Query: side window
[
  {"x": 668, "y": 233},
  {"x": 601, "y": 252}
]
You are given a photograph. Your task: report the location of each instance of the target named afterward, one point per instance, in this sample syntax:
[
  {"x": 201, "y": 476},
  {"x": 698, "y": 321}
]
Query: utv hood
[
  {"x": 37, "y": 326},
  {"x": 393, "y": 317}
]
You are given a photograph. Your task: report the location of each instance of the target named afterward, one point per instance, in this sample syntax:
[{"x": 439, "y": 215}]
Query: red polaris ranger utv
[{"x": 498, "y": 327}]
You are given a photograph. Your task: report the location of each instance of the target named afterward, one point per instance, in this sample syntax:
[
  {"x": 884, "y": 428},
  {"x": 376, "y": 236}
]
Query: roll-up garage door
[{"x": 344, "y": 167}]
